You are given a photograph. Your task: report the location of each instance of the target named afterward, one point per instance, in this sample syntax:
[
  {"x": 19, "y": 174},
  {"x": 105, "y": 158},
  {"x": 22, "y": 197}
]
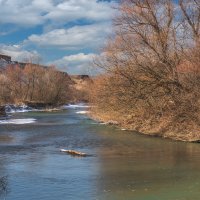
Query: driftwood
[{"x": 73, "y": 153}]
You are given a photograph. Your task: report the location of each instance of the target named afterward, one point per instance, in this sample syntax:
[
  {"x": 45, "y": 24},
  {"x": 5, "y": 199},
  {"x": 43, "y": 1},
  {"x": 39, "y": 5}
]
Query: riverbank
[{"x": 164, "y": 127}]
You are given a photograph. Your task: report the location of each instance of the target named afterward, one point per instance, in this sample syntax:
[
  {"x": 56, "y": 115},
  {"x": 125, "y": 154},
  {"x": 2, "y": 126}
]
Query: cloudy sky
[{"x": 66, "y": 33}]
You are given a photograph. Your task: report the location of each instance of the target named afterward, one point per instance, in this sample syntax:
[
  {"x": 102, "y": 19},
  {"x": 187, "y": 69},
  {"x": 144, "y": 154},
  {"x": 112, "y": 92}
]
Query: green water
[{"x": 122, "y": 165}]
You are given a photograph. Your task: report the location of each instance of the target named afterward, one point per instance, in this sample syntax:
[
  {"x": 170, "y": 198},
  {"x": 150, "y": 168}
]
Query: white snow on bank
[
  {"x": 82, "y": 112},
  {"x": 18, "y": 121},
  {"x": 74, "y": 106},
  {"x": 17, "y": 109},
  {"x": 24, "y": 108}
]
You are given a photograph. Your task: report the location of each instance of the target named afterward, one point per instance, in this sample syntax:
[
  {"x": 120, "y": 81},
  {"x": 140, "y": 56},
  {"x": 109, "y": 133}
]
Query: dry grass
[{"x": 164, "y": 127}]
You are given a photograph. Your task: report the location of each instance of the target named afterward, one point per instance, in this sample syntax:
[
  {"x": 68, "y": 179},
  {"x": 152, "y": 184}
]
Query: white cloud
[
  {"x": 36, "y": 12},
  {"x": 81, "y": 9},
  {"x": 55, "y": 17},
  {"x": 21, "y": 12},
  {"x": 77, "y": 37},
  {"x": 75, "y": 64},
  {"x": 19, "y": 54}
]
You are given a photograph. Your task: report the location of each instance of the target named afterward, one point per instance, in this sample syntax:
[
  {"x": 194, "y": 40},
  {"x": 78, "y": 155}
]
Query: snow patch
[
  {"x": 17, "y": 109},
  {"x": 74, "y": 106},
  {"x": 18, "y": 121},
  {"x": 82, "y": 112}
]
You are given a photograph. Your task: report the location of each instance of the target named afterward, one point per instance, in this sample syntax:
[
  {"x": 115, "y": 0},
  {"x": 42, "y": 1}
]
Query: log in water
[{"x": 73, "y": 153}]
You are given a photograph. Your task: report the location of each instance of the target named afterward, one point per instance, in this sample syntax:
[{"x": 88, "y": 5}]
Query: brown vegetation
[
  {"x": 34, "y": 83},
  {"x": 151, "y": 65},
  {"x": 81, "y": 87}
]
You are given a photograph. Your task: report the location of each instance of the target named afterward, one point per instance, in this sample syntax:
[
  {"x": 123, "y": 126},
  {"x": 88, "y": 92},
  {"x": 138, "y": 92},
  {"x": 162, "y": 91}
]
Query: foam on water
[{"x": 18, "y": 121}]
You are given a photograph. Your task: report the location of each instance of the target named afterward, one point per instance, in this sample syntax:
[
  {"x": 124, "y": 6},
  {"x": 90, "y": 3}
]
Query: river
[{"x": 122, "y": 165}]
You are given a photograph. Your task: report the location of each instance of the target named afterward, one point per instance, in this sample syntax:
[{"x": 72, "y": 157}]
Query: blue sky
[{"x": 65, "y": 33}]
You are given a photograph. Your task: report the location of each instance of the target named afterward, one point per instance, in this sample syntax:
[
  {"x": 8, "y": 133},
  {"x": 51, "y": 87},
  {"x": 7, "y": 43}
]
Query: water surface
[{"x": 123, "y": 165}]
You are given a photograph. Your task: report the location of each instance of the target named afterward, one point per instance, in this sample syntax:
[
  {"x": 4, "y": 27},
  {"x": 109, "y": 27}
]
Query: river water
[{"x": 122, "y": 165}]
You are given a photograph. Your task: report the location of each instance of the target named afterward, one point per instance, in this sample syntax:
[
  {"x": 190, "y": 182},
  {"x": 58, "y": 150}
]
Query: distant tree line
[
  {"x": 151, "y": 69},
  {"x": 34, "y": 83}
]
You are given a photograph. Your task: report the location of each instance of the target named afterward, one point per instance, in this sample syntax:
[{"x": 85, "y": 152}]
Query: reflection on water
[
  {"x": 123, "y": 165},
  {"x": 150, "y": 168},
  {"x": 3, "y": 186},
  {"x": 5, "y": 138}
]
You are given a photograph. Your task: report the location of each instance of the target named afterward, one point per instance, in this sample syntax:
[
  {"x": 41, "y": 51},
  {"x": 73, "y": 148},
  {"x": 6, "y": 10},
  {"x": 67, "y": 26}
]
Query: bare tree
[
  {"x": 145, "y": 64},
  {"x": 34, "y": 83},
  {"x": 191, "y": 16}
]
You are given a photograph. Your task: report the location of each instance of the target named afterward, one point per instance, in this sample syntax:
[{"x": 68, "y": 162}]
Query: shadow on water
[{"x": 3, "y": 186}]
